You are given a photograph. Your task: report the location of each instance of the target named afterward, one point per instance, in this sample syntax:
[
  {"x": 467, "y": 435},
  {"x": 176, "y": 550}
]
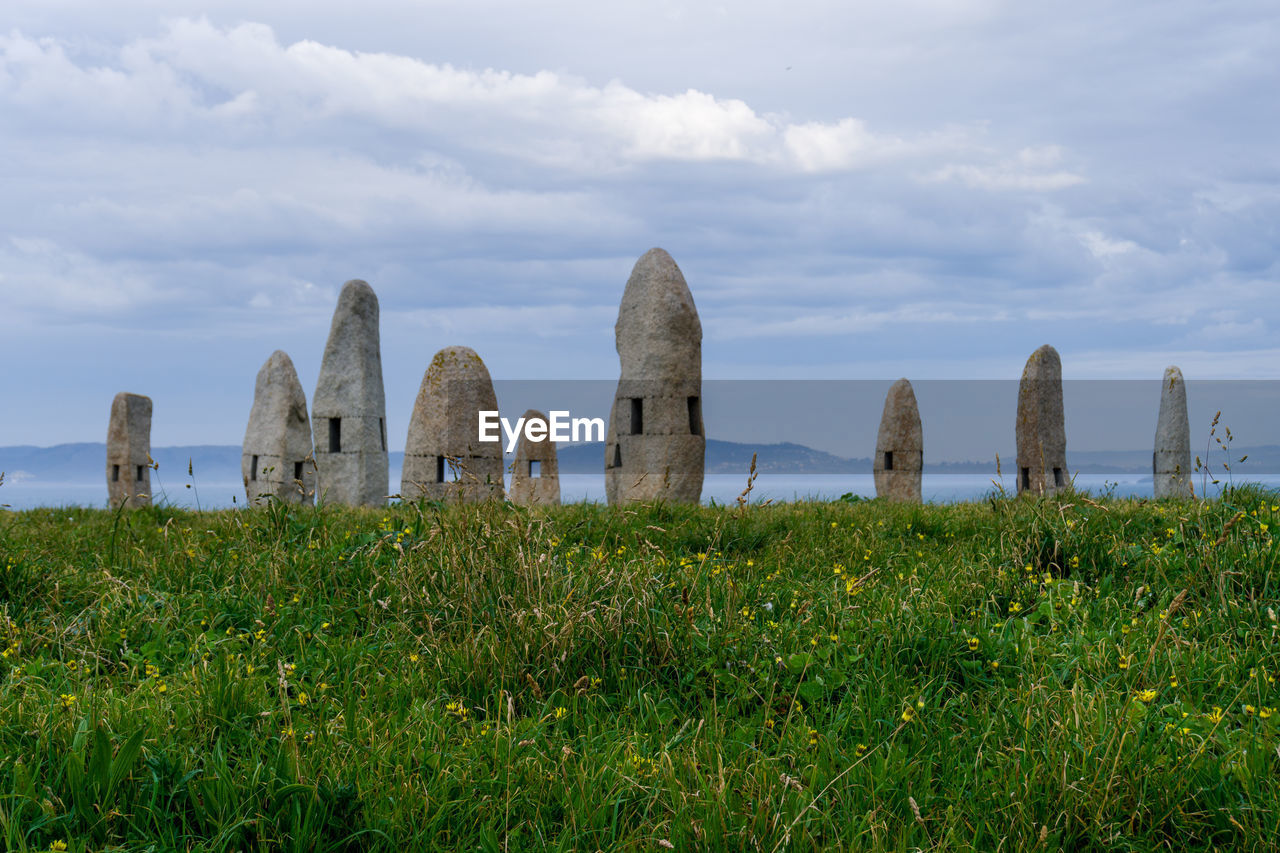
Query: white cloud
[
  {"x": 1031, "y": 169},
  {"x": 41, "y": 278},
  {"x": 859, "y": 321},
  {"x": 820, "y": 147},
  {"x": 1103, "y": 247},
  {"x": 242, "y": 80}
]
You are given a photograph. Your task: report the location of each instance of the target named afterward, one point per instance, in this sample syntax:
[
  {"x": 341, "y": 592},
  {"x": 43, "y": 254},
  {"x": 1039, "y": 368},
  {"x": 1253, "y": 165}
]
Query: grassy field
[{"x": 1064, "y": 674}]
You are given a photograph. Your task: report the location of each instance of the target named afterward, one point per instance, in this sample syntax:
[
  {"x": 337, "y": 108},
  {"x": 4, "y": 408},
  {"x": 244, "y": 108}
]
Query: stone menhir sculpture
[
  {"x": 1171, "y": 462},
  {"x": 535, "y": 478},
  {"x": 276, "y": 460},
  {"x": 655, "y": 446},
  {"x": 899, "y": 457},
  {"x": 349, "y": 409},
  {"x": 444, "y": 458},
  {"x": 129, "y": 451},
  {"x": 1041, "y": 431}
]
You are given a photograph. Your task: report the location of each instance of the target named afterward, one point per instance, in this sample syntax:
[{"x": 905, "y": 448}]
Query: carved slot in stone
[
  {"x": 1026, "y": 478},
  {"x": 253, "y": 468},
  {"x": 695, "y": 416},
  {"x": 335, "y": 435},
  {"x": 439, "y": 469},
  {"x": 297, "y": 471},
  {"x": 382, "y": 429},
  {"x": 617, "y": 456},
  {"x": 140, "y": 475},
  {"x": 888, "y": 460},
  {"x": 535, "y": 468},
  {"x": 1058, "y": 480},
  {"x": 637, "y": 416},
  {"x": 115, "y": 473}
]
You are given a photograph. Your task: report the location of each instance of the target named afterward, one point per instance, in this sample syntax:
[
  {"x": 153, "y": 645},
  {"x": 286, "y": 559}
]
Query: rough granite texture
[
  {"x": 655, "y": 447},
  {"x": 129, "y": 451},
  {"x": 276, "y": 460},
  {"x": 899, "y": 458},
  {"x": 1041, "y": 430},
  {"x": 349, "y": 409},
  {"x": 544, "y": 489},
  {"x": 444, "y": 458},
  {"x": 1171, "y": 462}
]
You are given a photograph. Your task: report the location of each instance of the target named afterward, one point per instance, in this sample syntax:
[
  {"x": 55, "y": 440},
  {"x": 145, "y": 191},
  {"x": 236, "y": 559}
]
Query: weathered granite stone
[
  {"x": 655, "y": 447},
  {"x": 899, "y": 458},
  {"x": 535, "y": 478},
  {"x": 276, "y": 460},
  {"x": 1041, "y": 431},
  {"x": 349, "y": 409},
  {"x": 444, "y": 458},
  {"x": 1171, "y": 462},
  {"x": 129, "y": 451}
]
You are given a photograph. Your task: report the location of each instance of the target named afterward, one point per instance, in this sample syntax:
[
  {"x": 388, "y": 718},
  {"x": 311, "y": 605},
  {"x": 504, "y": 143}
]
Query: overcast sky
[{"x": 928, "y": 188}]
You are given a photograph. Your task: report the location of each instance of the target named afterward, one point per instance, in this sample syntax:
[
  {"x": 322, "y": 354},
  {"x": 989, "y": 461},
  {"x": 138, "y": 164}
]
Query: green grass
[{"x": 798, "y": 677}]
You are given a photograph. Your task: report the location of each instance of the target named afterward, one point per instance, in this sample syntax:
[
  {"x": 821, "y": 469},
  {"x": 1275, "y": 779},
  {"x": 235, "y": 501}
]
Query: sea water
[{"x": 720, "y": 489}]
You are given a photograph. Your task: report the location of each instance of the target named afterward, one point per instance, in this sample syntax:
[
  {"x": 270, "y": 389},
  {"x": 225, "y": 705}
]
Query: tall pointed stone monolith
[
  {"x": 899, "y": 446},
  {"x": 349, "y": 409},
  {"x": 1041, "y": 430},
  {"x": 129, "y": 451},
  {"x": 655, "y": 446},
  {"x": 1171, "y": 462},
  {"x": 276, "y": 460},
  {"x": 444, "y": 458},
  {"x": 535, "y": 476}
]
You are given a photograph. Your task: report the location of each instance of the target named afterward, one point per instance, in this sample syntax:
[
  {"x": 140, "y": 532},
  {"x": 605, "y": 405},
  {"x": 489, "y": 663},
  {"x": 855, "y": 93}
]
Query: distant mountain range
[{"x": 85, "y": 463}]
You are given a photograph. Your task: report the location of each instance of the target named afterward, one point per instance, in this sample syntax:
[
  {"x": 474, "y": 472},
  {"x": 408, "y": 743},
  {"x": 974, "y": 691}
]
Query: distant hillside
[
  {"x": 730, "y": 457},
  {"x": 85, "y": 462}
]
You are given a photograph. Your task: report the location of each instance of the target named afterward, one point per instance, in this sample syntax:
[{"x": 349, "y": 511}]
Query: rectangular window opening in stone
[
  {"x": 637, "y": 416},
  {"x": 888, "y": 460},
  {"x": 297, "y": 471},
  {"x": 617, "y": 456},
  {"x": 115, "y": 473},
  {"x": 695, "y": 416},
  {"x": 382, "y": 430},
  {"x": 253, "y": 468},
  {"x": 439, "y": 469},
  {"x": 140, "y": 467},
  {"x": 335, "y": 435},
  {"x": 1058, "y": 480},
  {"x": 1026, "y": 478},
  {"x": 535, "y": 469}
]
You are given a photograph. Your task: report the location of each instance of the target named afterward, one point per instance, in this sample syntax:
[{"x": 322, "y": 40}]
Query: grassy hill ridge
[{"x": 1064, "y": 674}]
